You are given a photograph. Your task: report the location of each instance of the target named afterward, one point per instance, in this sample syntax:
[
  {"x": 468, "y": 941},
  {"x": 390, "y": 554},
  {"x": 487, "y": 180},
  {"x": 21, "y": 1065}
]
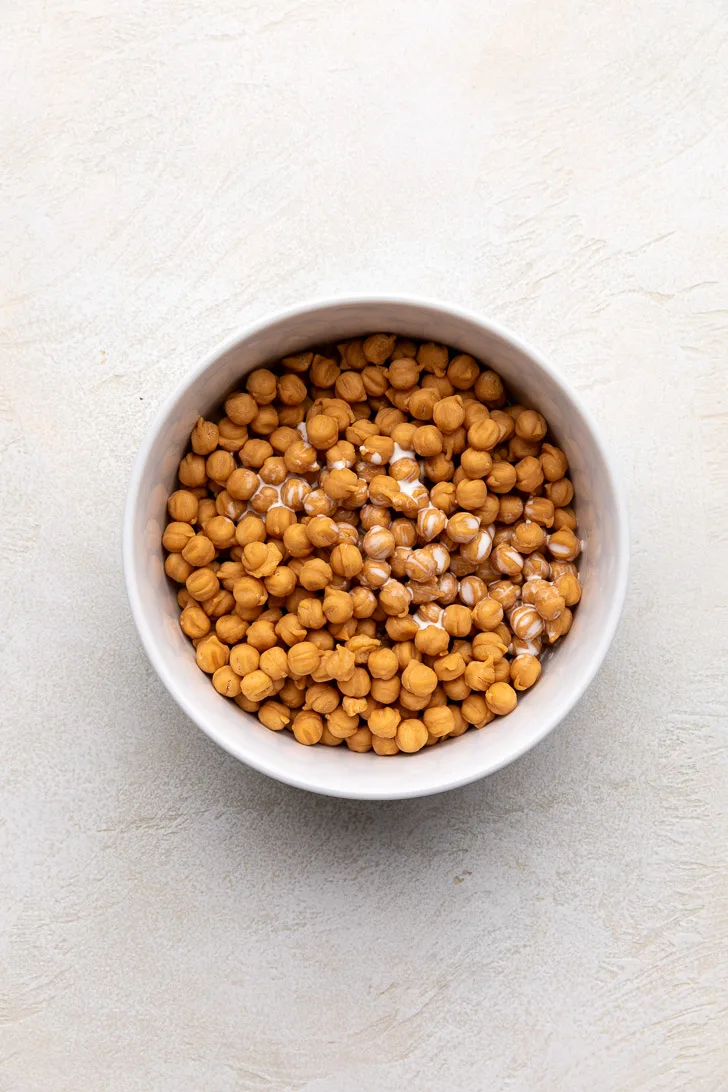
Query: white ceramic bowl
[{"x": 568, "y": 669}]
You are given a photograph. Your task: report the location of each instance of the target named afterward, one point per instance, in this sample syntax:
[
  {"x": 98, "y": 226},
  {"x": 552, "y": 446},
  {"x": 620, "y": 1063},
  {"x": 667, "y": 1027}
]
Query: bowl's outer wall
[{"x": 336, "y": 771}]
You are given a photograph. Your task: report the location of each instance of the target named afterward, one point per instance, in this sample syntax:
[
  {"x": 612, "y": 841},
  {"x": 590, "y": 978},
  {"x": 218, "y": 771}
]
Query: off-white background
[{"x": 173, "y": 921}]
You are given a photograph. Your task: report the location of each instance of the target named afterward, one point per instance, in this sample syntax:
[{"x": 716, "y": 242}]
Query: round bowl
[{"x": 569, "y": 667}]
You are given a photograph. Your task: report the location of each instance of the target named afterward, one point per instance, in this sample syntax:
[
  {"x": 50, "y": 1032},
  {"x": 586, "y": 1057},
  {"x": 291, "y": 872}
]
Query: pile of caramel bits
[{"x": 373, "y": 545}]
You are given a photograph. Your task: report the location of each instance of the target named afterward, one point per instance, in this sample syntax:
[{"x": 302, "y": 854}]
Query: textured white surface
[{"x": 171, "y": 920}]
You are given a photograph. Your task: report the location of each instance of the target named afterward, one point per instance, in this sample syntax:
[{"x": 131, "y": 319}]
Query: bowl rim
[{"x": 446, "y": 310}]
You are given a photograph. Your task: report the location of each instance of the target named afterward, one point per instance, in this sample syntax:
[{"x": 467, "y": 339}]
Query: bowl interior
[{"x": 337, "y": 771}]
